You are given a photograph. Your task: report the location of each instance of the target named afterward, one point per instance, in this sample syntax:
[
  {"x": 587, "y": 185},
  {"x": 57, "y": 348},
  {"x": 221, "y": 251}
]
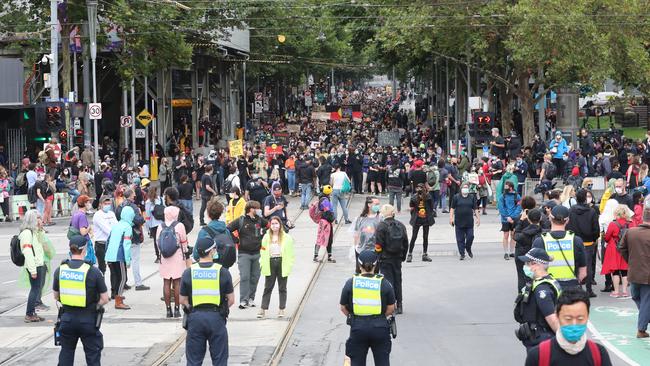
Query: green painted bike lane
[{"x": 614, "y": 324}]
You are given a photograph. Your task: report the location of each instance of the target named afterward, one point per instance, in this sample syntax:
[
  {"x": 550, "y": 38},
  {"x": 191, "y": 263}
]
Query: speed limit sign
[{"x": 95, "y": 110}]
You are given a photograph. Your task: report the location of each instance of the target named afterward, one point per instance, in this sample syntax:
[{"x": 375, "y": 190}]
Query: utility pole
[
  {"x": 146, "y": 103},
  {"x": 133, "y": 150},
  {"x": 92, "y": 29},
  {"x": 394, "y": 84},
  {"x": 448, "y": 136},
  {"x": 54, "y": 49},
  {"x": 541, "y": 104},
  {"x": 469, "y": 113},
  {"x": 245, "y": 101}
]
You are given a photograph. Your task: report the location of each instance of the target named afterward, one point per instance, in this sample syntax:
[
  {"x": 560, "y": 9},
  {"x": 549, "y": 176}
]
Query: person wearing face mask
[
  {"x": 103, "y": 222},
  {"x": 250, "y": 228},
  {"x": 365, "y": 226},
  {"x": 510, "y": 210},
  {"x": 569, "y": 265},
  {"x": 464, "y": 208},
  {"x": 535, "y": 305},
  {"x": 570, "y": 345},
  {"x": 276, "y": 260},
  {"x": 583, "y": 221},
  {"x": 421, "y": 205},
  {"x": 558, "y": 148},
  {"x": 620, "y": 194}
]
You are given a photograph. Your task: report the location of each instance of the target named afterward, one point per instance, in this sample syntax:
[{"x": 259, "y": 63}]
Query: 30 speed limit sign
[{"x": 95, "y": 110}]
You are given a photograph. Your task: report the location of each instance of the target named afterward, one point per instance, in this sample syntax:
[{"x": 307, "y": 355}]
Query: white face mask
[{"x": 619, "y": 190}]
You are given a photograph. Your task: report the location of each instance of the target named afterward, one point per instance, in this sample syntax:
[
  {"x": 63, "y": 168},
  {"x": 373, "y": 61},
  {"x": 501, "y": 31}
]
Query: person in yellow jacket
[
  {"x": 276, "y": 261},
  {"x": 608, "y": 193},
  {"x": 236, "y": 205}
]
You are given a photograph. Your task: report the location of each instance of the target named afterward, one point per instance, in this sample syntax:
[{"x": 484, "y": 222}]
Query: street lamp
[{"x": 92, "y": 30}]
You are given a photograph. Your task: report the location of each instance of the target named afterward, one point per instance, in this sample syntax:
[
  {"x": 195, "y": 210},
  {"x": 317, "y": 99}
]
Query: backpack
[
  {"x": 17, "y": 256},
  {"x": 432, "y": 178},
  {"x": 545, "y": 353},
  {"x": 551, "y": 171},
  {"x": 394, "y": 238},
  {"x": 225, "y": 247},
  {"x": 167, "y": 241},
  {"x": 20, "y": 180},
  {"x": 158, "y": 212},
  {"x": 32, "y": 197},
  {"x": 184, "y": 217},
  {"x": 314, "y": 211},
  {"x": 227, "y": 184},
  {"x": 622, "y": 231}
]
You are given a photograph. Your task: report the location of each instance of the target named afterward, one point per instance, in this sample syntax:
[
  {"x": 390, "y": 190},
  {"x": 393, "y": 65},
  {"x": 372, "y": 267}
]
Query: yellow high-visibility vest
[
  {"x": 366, "y": 295},
  {"x": 205, "y": 284},
  {"x": 72, "y": 285},
  {"x": 562, "y": 268}
]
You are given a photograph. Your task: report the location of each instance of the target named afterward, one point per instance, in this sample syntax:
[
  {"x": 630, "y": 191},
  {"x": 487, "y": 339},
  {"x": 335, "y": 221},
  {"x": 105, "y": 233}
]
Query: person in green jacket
[
  {"x": 276, "y": 261},
  {"x": 33, "y": 247},
  {"x": 509, "y": 175}
]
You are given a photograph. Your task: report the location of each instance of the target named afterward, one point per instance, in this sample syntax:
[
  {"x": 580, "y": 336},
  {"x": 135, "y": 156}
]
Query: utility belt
[
  {"x": 98, "y": 312},
  {"x": 530, "y": 331},
  {"x": 203, "y": 308}
]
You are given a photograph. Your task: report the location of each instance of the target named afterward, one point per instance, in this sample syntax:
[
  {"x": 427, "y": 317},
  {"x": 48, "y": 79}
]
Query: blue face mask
[
  {"x": 106, "y": 208},
  {"x": 573, "y": 332},
  {"x": 375, "y": 208},
  {"x": 529, "y": 272}
]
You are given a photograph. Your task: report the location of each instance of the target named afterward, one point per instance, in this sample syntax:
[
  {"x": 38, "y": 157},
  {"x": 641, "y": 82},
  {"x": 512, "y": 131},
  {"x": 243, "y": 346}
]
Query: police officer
[
  {"x": 206, "y": 295},
  {"x": 535, "y": 305},
  {"x": 81, "y": 289},
  {"x": 569, "y": 264},
  {"x": 367, "y": 300}
]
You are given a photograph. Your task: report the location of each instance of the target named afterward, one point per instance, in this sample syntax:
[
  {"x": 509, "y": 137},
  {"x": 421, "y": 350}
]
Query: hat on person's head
[
  {"x": 418, "y": 163},
  {"x": 78, "y": 241},
  {"x": 538, "y": 255},
  {"x": 560, "y": 213},
  {"x": 204, "y": 245},
  {"x": 367, "y": 257},
  {"x": 136, "y": 180},
  {"x": 82, "y": 200},
  {"x": 276, "y": 185},
  {"x": 575, "y": 171},
  {"x": 550, "y": 204},
  {"x": 558, "y": 133},
  {"x": 105, "y": 198},
  {"x": 144, "y": 182}
]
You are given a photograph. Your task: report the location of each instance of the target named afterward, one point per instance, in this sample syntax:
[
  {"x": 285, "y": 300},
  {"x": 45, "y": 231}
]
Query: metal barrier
[
  {"x": 19, "y": 204},
  {"x": 600, "y": 184}
]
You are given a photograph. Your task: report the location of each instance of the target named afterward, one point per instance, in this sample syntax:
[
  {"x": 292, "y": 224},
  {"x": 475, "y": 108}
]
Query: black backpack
[
  {"x": 16, "y": 252},
  {"x": 227, "y": 185},
  {"x": 158, "y": 212},
  {"x": 225, "y": 247},
  {"x": 551, "y": 171},
  {"x": 32, "y": 197},
  {"x": 394, "y": 239},
  {"x": 622, "y": 230},
  {"x": 184, "y": 217}
]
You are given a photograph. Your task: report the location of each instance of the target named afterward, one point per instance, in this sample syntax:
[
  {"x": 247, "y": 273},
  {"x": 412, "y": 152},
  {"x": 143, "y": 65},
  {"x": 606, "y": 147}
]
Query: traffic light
[
  {"x": 63, "y": 135},
  {"x": 42, "y": 139},
  {"x": 54, "y": 115},
  {"x": 483, "y": 124},
  {"x": 79, "y": 136}
]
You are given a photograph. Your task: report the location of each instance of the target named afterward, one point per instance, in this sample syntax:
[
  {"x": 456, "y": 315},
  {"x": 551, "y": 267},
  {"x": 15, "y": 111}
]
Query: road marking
[
  {"x": 610, "y": 346},
  {"x": 8, "y": 282}
]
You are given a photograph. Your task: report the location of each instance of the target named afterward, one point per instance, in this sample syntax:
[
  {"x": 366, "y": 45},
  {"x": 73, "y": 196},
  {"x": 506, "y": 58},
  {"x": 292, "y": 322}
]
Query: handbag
[{"x": 72, "y": 232}]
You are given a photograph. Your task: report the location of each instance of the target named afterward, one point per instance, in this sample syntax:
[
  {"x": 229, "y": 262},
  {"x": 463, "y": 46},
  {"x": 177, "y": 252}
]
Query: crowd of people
[{"x": 554, "y": 241}]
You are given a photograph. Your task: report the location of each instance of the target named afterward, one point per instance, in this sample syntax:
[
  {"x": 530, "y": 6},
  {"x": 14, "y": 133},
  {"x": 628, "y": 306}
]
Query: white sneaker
[
  {"x": 281, "y": 313},
  {"x": 250, "y": 303},
  {"x": 261, "y": 314}
]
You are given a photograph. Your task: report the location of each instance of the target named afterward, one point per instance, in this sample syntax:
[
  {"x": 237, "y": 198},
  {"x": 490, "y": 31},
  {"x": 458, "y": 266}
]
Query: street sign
[
  {"x": 144, "y": 117},
  {"x": 266, "y": 104},
  {"x": 308, "y": 98},
  {"x": 76, "y": 124},
  {"x": 140, "y": 133},
  {"x": 259, "y": 107},
  {"x": 126, "y": 121},
  {"x": 310, "y": 80},
  {"x": 259, "y": 96},
  {"x": 95, "y": 110}
]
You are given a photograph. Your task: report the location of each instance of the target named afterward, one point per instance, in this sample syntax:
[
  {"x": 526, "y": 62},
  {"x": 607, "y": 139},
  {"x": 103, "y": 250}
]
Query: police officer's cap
[
  {"x": 560, "y": 213},
  {"x": 367, "y": 257},
  {"x": 204, "y": 245},
  {"x": 78, "y": 241},
  {"x": 538, "y": 255},
  {"x": 550, "y": 204}
]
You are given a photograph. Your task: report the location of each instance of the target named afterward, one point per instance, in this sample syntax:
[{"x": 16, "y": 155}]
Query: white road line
[
  {"x": 610, "y": 346},
  {"x": 8, "y": 282}
]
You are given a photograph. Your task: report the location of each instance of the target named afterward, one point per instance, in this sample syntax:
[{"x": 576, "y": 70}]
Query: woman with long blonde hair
[
  {"x": 276, "y": 261},
  {"x": 568, "y": 196}
]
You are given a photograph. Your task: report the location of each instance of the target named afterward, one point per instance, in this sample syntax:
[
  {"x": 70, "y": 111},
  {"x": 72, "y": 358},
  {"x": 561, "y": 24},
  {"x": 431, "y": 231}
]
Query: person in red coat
[
  {"x": 614, "y": 263},
  {"x": 638, "y": 199}
]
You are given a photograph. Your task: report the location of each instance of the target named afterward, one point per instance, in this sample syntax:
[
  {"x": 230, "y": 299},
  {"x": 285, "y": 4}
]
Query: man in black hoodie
[
  {"x": 583, "y": 221},
  {"x": 528, "y": 228}
]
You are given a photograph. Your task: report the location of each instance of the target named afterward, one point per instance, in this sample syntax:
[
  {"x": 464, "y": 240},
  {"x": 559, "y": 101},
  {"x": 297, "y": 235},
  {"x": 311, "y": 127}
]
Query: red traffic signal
[
  {"x": 79, "y": 132},
  {"x": 63, "y": 134}
]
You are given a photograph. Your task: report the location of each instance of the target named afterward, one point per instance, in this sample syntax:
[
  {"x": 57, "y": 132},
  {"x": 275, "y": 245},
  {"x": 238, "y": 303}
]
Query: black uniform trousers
[
  {"x": 75, "y": 326},
  {"x": 371, "y": 333},
  {"x": 391, "y": 269},
  {"x": 206, "y": 326}
]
